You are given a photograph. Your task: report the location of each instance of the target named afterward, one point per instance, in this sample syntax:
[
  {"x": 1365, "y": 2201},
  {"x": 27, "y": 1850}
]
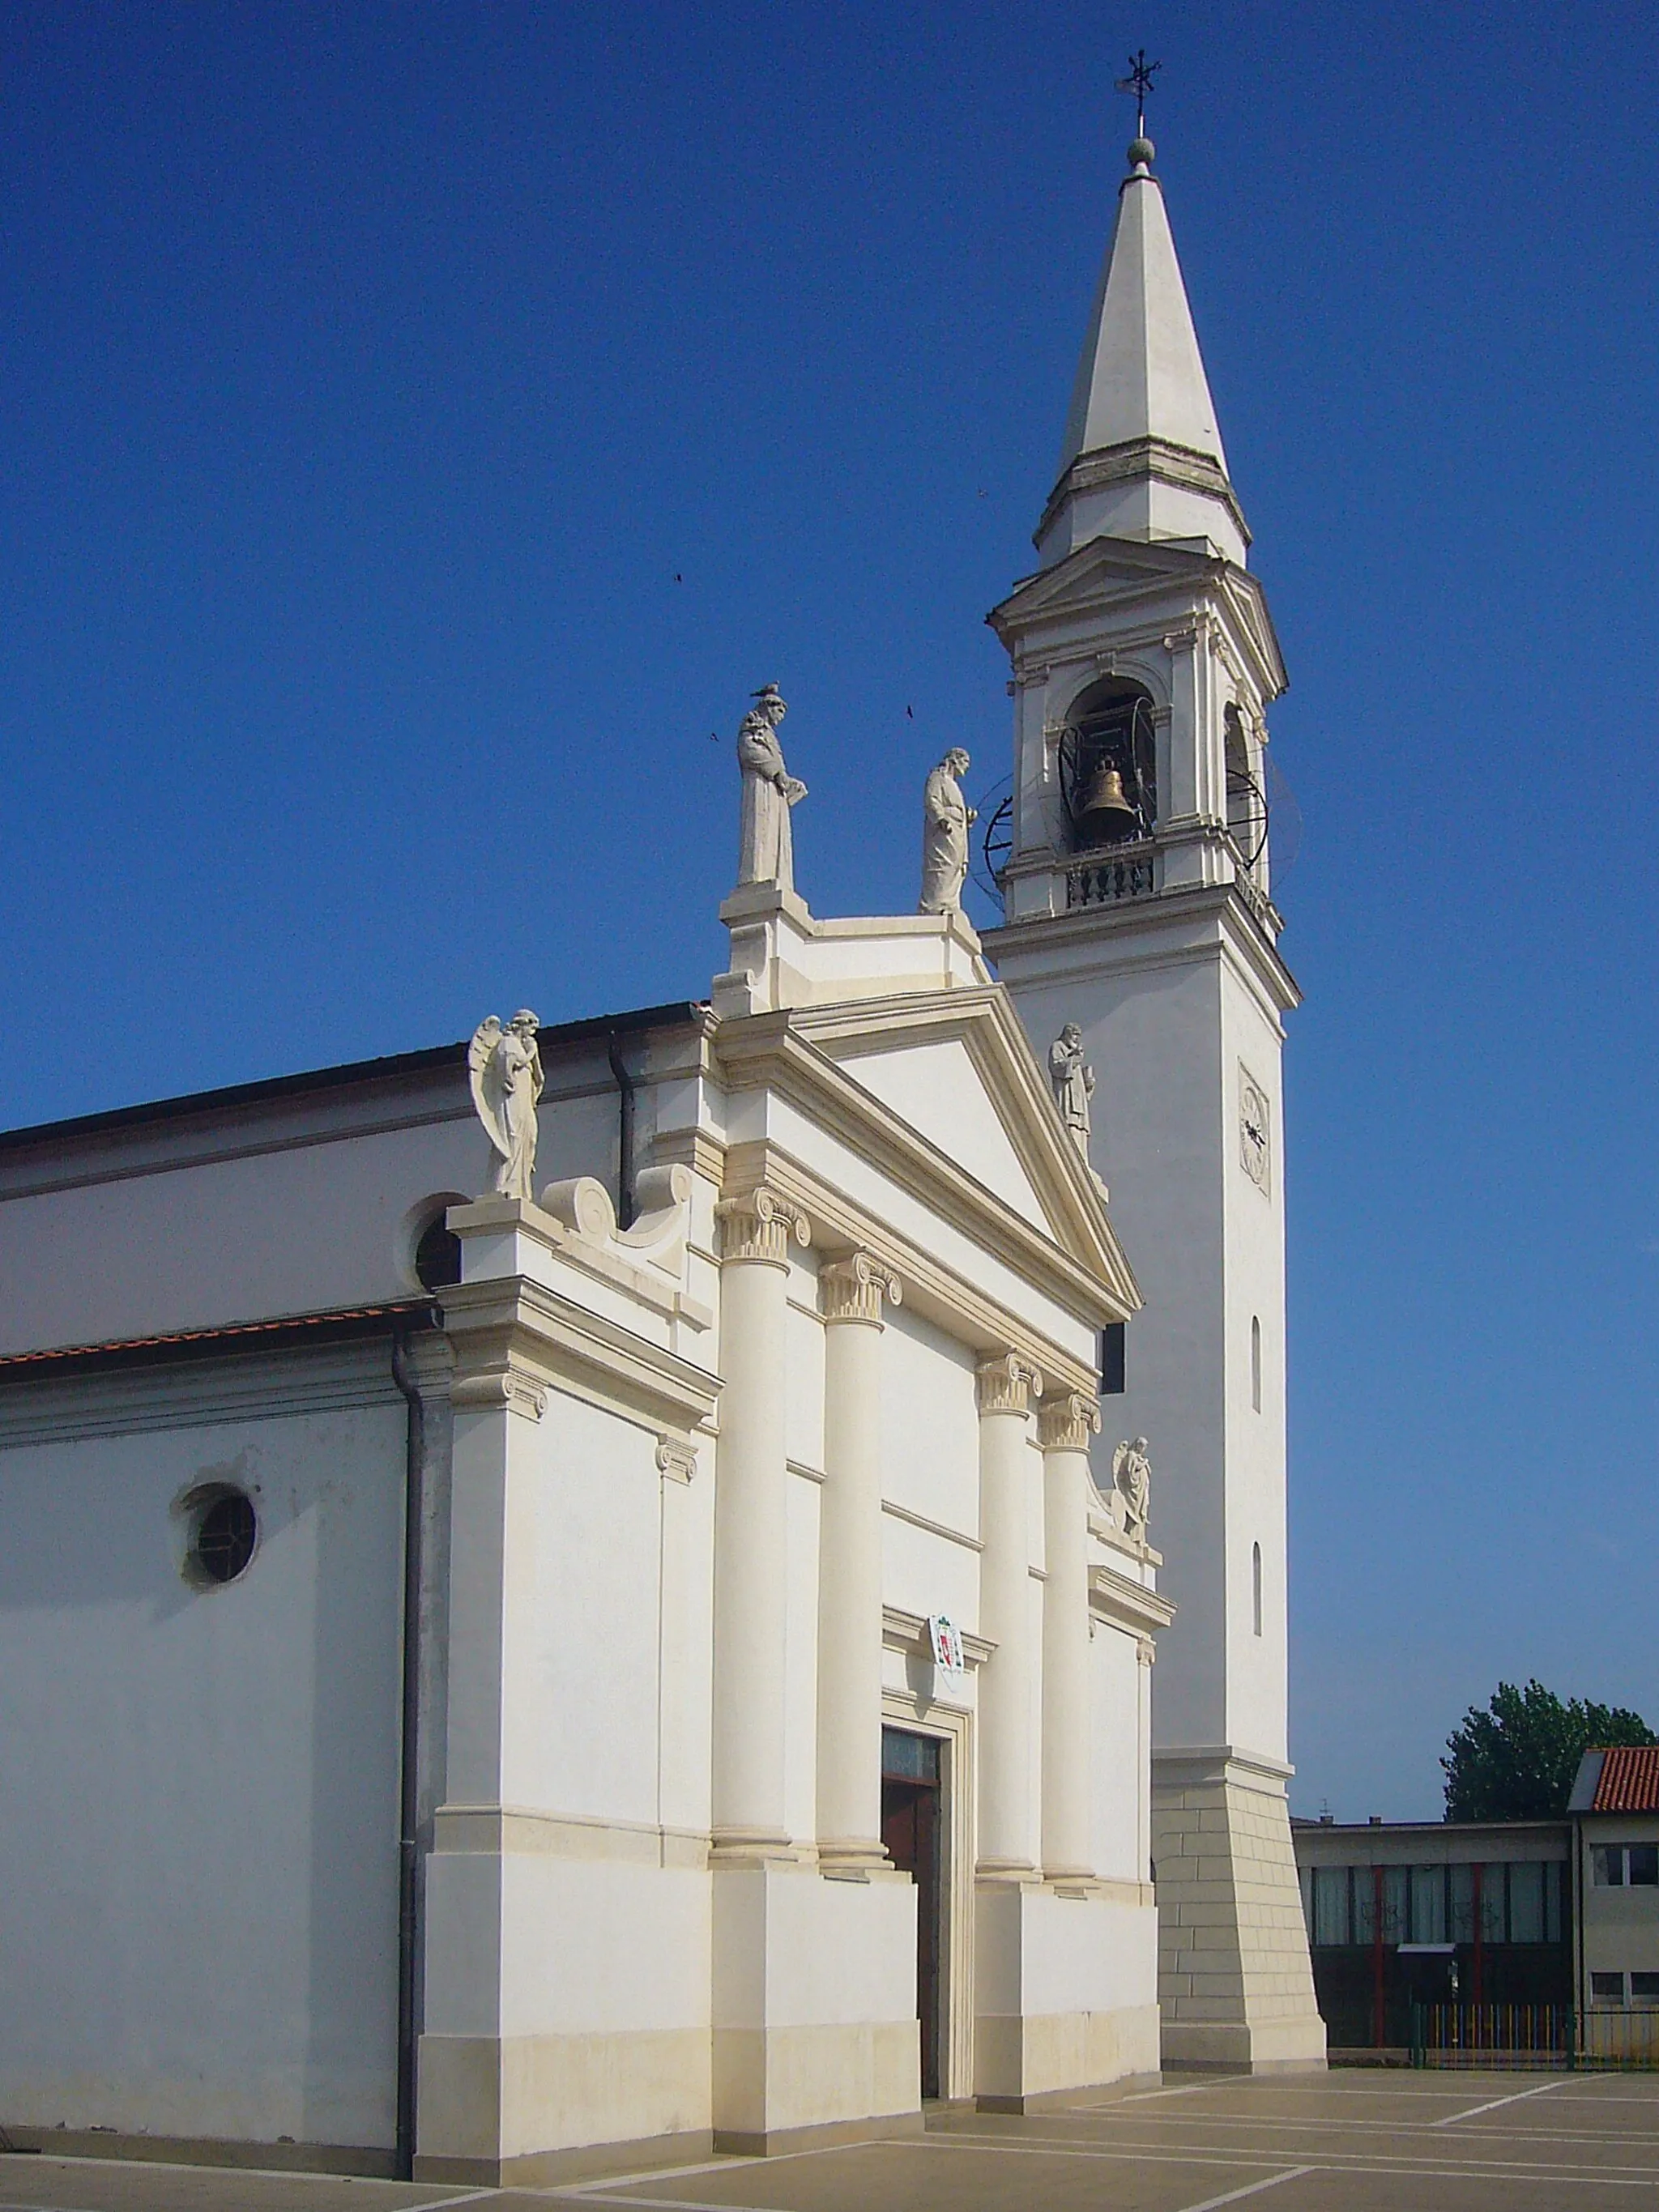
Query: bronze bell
[{"x": 1104, "y": 813}]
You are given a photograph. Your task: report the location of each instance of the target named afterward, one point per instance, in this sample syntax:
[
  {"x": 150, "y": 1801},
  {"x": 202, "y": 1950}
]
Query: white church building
[{"x": 542, "y": 1637}]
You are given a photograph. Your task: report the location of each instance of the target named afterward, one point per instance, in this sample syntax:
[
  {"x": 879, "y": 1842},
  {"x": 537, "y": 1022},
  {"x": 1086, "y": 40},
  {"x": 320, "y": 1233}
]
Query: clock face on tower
[{"x": 1254, "y": 1130}]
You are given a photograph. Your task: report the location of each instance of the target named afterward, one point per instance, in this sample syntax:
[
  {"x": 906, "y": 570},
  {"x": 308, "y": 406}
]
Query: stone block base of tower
[{"x": 1235, "y": 1980}]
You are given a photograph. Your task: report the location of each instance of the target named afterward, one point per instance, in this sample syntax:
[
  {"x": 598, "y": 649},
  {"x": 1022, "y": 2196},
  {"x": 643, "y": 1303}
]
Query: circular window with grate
[{"x": 223, "y": 1532}]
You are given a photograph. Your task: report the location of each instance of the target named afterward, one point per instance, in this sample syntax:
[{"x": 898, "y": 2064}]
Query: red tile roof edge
[{"x": 1628, "y": 1780}]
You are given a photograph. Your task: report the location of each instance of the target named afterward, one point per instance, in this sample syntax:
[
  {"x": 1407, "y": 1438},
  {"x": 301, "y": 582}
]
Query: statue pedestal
[{"x": 781, "y": 956}]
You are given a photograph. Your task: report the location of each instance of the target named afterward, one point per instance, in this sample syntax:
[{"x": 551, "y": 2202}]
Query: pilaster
[
  {"x": 853, "y": 1291},
  {"x": 1065, "y": 1425},
  {"x": 750, "y": 1529},
  {"x": 1007, "y": 1845}
]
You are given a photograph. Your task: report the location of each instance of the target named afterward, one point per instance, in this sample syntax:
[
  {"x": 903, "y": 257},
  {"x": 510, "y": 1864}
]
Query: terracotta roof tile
[{"x": 1629, "y": 1780}]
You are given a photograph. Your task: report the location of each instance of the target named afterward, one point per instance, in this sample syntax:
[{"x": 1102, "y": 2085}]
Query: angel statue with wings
[
  {"x": 506, "y": 1068},
  {"x": 1131, "y": 1478}
]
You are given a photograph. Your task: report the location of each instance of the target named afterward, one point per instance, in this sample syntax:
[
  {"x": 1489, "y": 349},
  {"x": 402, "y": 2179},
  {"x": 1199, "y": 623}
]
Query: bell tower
[{"x": 1138, "y": 904}]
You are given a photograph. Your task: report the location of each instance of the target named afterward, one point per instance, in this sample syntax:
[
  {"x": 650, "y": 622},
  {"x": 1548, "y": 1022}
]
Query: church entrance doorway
[{"x": 913, "y": 1831}]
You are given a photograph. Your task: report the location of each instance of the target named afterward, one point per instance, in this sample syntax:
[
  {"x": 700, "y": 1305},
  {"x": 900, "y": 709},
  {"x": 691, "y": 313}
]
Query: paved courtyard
[{"x": 1351, "y": 2142}]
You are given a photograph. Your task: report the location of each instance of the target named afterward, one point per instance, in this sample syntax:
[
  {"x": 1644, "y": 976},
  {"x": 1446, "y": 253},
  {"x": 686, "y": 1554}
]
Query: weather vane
[{"x": 1140, "y": 82}]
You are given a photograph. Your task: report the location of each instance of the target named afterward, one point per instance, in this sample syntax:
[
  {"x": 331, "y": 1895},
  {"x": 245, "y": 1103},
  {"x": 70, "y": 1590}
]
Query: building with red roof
[{"x": 1615, "y": 1808}]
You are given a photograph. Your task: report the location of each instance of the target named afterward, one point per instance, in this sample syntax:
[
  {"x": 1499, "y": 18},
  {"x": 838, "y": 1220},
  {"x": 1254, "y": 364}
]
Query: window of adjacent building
[
  {"x": 1523, "y": 1902},
  {"x": 1255, "y": 1362},
  {"x": 1526, "y": 1902},
  {"x": 1331, "y": 1916},
  {"x": 1645, "y": 1989},
  {"x": 1112, "y": 1384},
  {"x": 1492, "y": 1926},
  {"x": 1460, "y": 1904},
  {"x": 1255, "y": 1587},
  {"x": 1396, "y": 1902},
  {"x": 1608, "y": 1989},
  {"x": 1428, "y": 1905},
  {"x": 1614, "y": 1866}
]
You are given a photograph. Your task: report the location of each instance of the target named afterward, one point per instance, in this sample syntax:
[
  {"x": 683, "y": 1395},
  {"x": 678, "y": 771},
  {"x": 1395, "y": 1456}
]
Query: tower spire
[{"x": 1142, "y": 456}]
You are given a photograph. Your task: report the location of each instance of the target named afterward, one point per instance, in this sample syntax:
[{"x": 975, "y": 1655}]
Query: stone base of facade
[
  {"x": 552, "y": 2168},
  {"x": 203, "y": 2150},
  {"x": 558, "y": 2107},
  {"x": 815, "y": 2023},
  {"x": 1235, "y": 1980},
  {"x": 1049, "y": 1968}
]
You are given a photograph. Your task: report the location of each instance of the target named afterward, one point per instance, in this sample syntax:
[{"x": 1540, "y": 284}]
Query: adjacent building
[
  {"x": 1615, "y": 1817},
  {"x": 1561, "y": 1917},
  {"x": 1433, "y": 1912}
]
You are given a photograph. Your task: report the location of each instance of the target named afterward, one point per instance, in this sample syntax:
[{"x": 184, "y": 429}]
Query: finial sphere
[{"x": 1141, "y": 151}]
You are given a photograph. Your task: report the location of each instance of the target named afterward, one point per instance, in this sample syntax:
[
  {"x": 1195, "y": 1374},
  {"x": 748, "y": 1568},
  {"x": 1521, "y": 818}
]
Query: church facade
[{"x": 569, "y": 1600}]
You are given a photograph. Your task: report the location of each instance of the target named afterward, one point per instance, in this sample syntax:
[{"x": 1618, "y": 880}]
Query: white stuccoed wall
[{"x": 198, "y": 1861}]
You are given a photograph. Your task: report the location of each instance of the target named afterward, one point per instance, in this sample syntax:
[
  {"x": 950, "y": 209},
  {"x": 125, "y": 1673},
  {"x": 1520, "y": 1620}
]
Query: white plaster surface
[
  {"x": 937, "y": 1091},
  {"x": 198, "y": 1855}
]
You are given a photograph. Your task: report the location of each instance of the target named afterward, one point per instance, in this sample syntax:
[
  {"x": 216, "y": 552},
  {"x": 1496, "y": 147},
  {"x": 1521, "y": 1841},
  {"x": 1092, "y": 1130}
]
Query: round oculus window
[{"x": 223, "y": 1536}]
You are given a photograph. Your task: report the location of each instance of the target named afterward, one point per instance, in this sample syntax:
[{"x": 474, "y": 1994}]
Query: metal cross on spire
[{"x": 1140, "y": 82}]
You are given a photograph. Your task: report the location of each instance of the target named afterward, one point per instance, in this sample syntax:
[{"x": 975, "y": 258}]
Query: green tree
[{"x": 1516, "y": 1760}]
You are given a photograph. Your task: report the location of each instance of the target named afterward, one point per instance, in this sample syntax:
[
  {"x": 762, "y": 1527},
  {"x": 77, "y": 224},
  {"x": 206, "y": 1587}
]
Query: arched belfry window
[
  {"x": 1247, "y": 801},
  {"x": 1108, "y": 765}
]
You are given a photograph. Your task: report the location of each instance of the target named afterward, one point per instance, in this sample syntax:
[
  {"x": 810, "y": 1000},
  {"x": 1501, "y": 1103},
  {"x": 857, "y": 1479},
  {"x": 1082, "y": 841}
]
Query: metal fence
[{"x": 1535, "y": 2035}]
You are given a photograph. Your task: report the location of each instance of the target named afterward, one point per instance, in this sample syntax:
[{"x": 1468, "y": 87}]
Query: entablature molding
[
  {"x": 1127, "y": 1604},
  {"x": 514, "y": 1338},
  {"x": 839, "y": 1223}
]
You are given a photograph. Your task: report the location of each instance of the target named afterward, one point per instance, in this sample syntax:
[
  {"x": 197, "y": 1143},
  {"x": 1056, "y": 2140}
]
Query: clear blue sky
[{"x": 420, "y": 425}]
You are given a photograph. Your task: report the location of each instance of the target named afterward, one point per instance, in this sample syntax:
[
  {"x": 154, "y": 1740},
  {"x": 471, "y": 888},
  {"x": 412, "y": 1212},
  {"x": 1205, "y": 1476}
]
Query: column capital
[
  {"x": 853, "y": 1288},
  {"x": 1066, "y": 1423},
  {"x": 1008, "y": 1384},
  {"x": 758, "y": 1226}
]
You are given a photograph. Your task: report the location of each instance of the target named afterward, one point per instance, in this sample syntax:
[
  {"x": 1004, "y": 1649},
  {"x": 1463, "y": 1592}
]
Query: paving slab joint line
[
  {"x": 656, "y": 2204},
  {"x": 1475, "y": 2111},
  {"x": 1251, "y": 2189}
]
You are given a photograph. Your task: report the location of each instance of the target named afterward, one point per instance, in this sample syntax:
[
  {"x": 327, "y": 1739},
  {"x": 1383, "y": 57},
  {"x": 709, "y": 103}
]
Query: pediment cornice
[{"x": 801, "y": 1052}]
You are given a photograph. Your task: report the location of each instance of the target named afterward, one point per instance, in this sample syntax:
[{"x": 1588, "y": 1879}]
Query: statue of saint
[
  {"x": 506, "y": 1068},
  {"x": 765, "y": 848},
  {"x": 1131, "y": 1480},
  {"x": 945, "y": 816},
  {"x": 1074, "y": 1084}
]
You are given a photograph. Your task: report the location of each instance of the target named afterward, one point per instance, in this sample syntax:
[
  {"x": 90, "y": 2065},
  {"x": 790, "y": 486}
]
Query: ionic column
[
  {"x": 751, "y": 1526},
  {"x": 1007, "y": 1845},
  {"x": 1064, "y": 1427},
  {"x": 849, "y": 1566}
]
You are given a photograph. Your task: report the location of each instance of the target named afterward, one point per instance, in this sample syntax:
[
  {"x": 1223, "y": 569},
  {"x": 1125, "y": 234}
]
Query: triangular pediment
[
  {"x": 1110, "y": 581},
  {"x": 1106, "y": 572},
  {"x": 957, "y": 1069}
]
